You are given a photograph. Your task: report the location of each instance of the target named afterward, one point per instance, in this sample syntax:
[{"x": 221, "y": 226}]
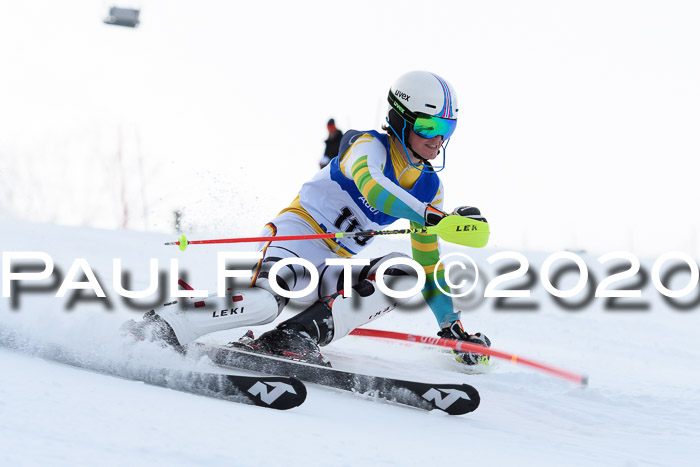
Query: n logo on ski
[
  {"x": 269, "y": 397},
  {"x": 436, "y": 397}
]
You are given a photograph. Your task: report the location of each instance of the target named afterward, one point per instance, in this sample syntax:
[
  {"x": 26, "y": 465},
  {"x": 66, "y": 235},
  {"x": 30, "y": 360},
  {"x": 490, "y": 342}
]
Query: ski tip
[
  {"x": 453, "y": 399},
  {"x": 469, "y": 405},
  {"x": 182, "y": 242},
  {"x": 275, "y": 392},
  {"x": 584, "y": 381}
]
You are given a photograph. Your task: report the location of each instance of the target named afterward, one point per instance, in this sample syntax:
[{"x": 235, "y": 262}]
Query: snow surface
[{"x": 642, "y": 406}]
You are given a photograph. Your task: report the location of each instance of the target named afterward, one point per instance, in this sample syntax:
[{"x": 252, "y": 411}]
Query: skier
[{"x": 378, "y": 178}]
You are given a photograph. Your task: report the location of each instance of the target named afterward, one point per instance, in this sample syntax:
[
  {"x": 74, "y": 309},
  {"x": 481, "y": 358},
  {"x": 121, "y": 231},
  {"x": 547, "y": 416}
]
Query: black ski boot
[
  {"x": 455, "y": 331},
  {"x": 297, "y": 338},
  {"x": 152, "y": 328}
]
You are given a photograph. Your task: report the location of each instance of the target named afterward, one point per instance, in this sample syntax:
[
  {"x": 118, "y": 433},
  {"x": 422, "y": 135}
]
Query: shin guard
[
  {"x": 366, "y": 304},
  {"x": 193, "y": 318}
]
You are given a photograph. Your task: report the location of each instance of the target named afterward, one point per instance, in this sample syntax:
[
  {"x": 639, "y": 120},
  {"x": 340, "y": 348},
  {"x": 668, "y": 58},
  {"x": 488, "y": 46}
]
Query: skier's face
[{"x": 427, "y": 148}]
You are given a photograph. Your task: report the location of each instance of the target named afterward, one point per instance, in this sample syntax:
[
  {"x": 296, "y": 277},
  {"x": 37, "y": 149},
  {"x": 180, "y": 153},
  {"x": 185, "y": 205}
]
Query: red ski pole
[
  {"x": 453, "y": 229},
  {"x": 469, "y": 347}
]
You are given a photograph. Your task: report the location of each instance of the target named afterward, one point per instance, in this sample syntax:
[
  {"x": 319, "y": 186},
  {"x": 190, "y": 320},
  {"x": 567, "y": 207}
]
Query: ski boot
[
  {"x": 152, "y": 328},
  {"x": 297, "y": 338},
  {"x": 455, "y": 331}
]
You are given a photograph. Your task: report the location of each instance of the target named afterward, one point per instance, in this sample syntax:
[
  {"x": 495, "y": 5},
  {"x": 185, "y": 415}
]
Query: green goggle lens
[{"x": 429, "y": 127}]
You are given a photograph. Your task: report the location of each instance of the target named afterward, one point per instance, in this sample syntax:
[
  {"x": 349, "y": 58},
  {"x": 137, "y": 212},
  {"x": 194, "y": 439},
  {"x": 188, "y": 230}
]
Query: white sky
[{"x": 578, "y": 120}]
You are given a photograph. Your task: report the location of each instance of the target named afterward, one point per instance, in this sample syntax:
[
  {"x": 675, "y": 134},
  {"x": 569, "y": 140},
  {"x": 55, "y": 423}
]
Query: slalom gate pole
[
  {"x": 469, "y": 347},
  {"x": 454, "y": 229}
]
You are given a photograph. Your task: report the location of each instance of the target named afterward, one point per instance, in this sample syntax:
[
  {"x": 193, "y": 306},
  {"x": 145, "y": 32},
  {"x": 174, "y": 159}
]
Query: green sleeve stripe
[
  {"x": 361, "y": 182},
  {"x": 426, "y": 258},
  {"x": 358, "y": 165},
  {"x": 373, "y": 194},
  {"x": 430, "y": 277},
  {"x": 389, "y": 202},
  {"x": 425, "y": 238},
  {"x": 427, "y": 294}
]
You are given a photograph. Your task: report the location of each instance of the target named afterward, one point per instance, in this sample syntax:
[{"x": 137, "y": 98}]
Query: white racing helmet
[{"x": 425, "y": 103}]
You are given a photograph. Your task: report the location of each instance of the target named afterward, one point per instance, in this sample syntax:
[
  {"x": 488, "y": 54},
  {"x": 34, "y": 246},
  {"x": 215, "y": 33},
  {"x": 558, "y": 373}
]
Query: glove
[
  {"x": 433, "y": 215},
  {"x": 455, "y": 331},
  {"x": 469, "y": 211}
]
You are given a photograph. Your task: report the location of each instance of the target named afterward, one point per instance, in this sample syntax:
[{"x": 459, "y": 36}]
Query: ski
[
  {"x": 454, "y": 399},
  {"x": 275, "y": 392}
]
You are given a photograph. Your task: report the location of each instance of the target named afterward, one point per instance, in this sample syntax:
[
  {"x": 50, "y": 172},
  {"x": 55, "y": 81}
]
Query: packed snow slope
[{"x": 642, "y": 406}]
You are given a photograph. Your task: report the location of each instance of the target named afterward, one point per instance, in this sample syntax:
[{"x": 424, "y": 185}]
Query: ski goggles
[{"x": 428, "y": 126}]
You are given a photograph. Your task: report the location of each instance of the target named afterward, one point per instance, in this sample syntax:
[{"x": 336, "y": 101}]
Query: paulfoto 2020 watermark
[{"x": 508, "y": 283}]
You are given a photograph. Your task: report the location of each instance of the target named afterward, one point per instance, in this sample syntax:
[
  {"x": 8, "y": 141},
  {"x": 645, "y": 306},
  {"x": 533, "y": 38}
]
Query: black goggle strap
[{"x": 403, "y": 111}]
